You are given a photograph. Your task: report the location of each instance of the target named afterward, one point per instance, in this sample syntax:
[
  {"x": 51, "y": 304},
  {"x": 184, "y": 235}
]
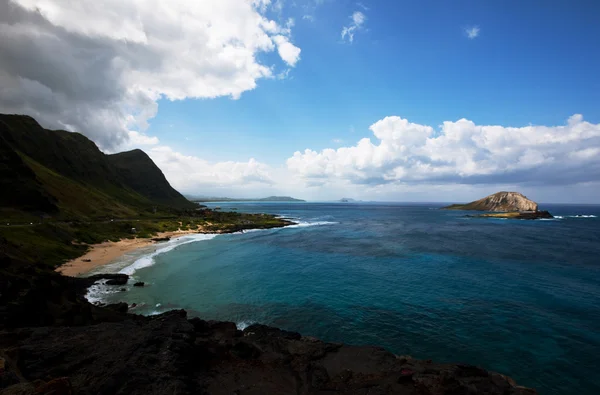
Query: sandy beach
[{"x": 104, "y": 253}]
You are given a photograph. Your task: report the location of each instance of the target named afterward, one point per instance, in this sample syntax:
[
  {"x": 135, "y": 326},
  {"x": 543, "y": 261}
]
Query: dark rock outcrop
[
  {"x": 112, "y": 279},
  {"x": 139, "y": 284},
  {"x": 171, "y": 354}
]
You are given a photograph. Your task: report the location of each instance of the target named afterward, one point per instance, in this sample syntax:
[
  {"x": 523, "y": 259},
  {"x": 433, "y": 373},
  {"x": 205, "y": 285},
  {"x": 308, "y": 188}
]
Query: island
[{"x": 510, "y": 205}]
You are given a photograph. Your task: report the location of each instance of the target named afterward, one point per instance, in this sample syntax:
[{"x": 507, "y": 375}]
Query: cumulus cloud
[
  {"x": 287, "y": 51},
  {"x": 100, "y": 67},
  {"x": 459, "y": 152},
  {"x": 472, "y": 32},
  {"x": 357, "y": 21}
]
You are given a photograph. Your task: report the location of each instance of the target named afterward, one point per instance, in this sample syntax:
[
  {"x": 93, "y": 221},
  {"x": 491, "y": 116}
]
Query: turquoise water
[{"x": 518, "y": 297}]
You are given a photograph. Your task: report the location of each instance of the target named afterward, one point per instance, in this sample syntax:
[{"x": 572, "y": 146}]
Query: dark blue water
[{"x": 518, "y": 297}]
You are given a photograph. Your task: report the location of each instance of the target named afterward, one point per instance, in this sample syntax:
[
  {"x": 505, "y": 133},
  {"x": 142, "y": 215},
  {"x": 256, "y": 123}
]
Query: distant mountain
[
  {"x": 226, "y": 199},
  {"x": 347, "y": 200},
  {"x": 499, "y": 202},
  {"x": 59, "y": 172}
]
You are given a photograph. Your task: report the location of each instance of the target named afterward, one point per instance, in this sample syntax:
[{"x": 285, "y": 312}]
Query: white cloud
[
  {"x": 100, "y": 67},
  {"x": 459, "y": 152},
  {"x": 287, "y": 51},
  {"x": 137, "y": 139},
  {"x": 357, "y": 21},
  {"x": 190, "y": 173},
  {"x": 472, "y": 32}
]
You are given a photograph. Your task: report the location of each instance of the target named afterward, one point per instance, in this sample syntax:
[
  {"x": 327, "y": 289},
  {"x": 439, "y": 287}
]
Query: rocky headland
[{"x": 512, "y": 205}]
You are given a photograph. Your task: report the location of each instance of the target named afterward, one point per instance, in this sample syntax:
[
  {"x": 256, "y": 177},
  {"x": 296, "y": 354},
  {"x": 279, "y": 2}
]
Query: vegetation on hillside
[
  {"x": 55, "y": 242},
  {"x": 63, "y": 175}
]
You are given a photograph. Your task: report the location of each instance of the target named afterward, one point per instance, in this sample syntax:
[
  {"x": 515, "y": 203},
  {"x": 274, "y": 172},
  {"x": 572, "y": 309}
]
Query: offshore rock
[{"x": 499, "y": 202}]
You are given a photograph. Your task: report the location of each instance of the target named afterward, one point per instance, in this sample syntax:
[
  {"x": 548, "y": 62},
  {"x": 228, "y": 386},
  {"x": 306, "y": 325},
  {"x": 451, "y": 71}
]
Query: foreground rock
[
  {"x": 53, "y": 341},
  {"x": 499, "y": 202},
  {"x": 170, "y": 353},
  {"x": 111, "y": 279}
]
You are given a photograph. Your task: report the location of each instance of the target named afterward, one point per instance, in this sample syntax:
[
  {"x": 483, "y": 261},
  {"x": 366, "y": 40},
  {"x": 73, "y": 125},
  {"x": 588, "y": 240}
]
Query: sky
[{"x": 322, "y": 99}]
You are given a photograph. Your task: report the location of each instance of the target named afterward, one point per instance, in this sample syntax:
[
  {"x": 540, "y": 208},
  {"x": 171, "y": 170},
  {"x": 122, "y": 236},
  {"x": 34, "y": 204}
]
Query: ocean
[{"x": 518, "y": 297}]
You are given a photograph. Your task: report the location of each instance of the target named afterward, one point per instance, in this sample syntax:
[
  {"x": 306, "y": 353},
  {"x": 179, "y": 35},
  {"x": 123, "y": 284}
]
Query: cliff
[{"x": 499, "y": 202}]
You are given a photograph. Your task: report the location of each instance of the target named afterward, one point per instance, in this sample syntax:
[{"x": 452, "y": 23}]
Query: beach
[{"x": 105, "y": 253}]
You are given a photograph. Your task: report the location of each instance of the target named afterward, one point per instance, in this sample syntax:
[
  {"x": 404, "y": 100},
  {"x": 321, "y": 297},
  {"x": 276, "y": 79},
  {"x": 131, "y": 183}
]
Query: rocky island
[{"x": 513, "y": 205}]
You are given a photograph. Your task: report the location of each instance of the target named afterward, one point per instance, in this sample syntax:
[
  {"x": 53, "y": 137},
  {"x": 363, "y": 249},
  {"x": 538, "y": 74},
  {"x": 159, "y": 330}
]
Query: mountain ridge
[{"x": 55, "y": 172}]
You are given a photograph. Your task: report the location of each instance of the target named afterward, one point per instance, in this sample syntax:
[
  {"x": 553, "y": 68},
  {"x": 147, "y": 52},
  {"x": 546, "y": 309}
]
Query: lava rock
[
  {"x": 139, "y": 284},
  {"x": 117, "y": 281},
  {"x": 121, "y": 307}
]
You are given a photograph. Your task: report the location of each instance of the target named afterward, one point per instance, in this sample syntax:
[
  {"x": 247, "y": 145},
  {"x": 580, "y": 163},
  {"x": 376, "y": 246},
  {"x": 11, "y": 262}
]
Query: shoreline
[{"x": 107, "y": 252}]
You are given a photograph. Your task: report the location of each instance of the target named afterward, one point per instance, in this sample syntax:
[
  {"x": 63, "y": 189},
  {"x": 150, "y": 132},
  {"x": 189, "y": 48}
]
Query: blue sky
[
  {"x": 533, "y": 62},
  {"x": 376, "y": 100}
]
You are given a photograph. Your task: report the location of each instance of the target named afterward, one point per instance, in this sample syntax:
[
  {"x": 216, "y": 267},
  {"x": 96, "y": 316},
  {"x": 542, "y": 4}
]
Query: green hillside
[{"x": 61, "y": 174}]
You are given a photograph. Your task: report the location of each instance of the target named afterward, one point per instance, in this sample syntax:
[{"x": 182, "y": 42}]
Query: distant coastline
[{"x": 227, "y": 199}]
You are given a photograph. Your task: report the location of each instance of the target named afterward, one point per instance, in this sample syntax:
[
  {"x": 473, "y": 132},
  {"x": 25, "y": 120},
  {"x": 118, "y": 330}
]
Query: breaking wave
[{"x": 148, "y": 260}]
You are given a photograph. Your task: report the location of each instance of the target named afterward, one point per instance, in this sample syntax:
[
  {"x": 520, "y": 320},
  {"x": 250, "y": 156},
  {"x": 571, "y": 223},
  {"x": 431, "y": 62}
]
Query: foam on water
[
  {"x": 148, "y": 260},
  {"x": 243, "y": 324},
  {"x": 575, "y": 216},
  {"x": 304, "y": 224},
  {"x": 98, "y": 291}
]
